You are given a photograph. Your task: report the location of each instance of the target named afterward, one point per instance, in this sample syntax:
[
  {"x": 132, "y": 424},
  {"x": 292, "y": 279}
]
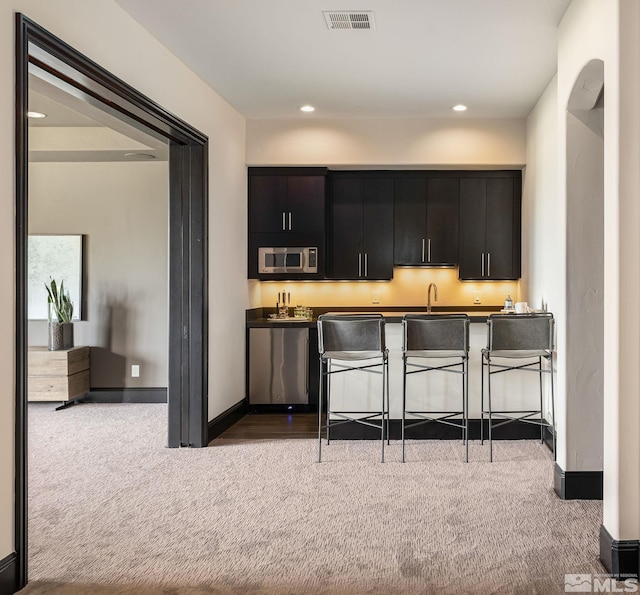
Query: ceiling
[
  {"x": 80, "y": 129},
  {"x": 267, "y": 58}
]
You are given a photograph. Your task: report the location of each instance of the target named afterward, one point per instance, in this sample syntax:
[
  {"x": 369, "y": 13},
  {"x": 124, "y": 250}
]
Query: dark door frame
[{"x": 188, "y": 241}]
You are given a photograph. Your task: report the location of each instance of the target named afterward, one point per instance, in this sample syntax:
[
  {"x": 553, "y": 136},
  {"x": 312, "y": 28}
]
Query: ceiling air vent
[{"x": 349, "y": 19}]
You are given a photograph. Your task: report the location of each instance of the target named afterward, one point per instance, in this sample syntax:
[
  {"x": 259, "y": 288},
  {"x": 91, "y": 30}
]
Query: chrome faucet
[{"x": 435, "y": 296}]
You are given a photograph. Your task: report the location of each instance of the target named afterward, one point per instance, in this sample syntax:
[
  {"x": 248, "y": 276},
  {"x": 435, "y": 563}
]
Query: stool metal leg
[
  {"x": 482, "y": 398},
  {"x": 328, "y": 399},
  {"x": 388, "y": 405},
  {"x": 553, "y": 411},
  {"x": 465, "y": 406},
  {"x": 404, "y": 399},
  {"x": 382, "y": 420},
  {"x": 541, "y": 402},
  {"x": 320, "y": 413},
  {"x": 489, "y": 402}
]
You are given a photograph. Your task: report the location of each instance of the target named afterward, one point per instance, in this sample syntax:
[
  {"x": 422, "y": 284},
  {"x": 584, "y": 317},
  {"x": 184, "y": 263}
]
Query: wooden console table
[{"x": 58, "y": 375}]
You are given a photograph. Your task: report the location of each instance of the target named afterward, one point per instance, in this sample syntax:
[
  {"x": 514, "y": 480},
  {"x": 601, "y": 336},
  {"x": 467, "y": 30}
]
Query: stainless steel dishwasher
[{"x": 278, "y": 366}]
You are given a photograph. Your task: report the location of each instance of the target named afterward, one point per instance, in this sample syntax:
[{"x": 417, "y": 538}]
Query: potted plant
[{"x": 60, "y": 306}]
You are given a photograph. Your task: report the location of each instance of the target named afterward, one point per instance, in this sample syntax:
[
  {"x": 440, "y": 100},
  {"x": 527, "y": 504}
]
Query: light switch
[
  {"x": 375, "y": 297},
  {"x": 135, "y": 371},
  {"x": 477, "y": 297}
]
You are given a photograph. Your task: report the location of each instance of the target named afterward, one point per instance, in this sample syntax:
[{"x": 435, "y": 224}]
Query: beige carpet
[{"x": 114, "y": 511}]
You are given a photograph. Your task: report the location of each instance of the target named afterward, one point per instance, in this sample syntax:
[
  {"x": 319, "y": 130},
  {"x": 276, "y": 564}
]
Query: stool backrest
[
  {"x": 436, "y": 332},
  {"x": 520, "y": 332},
  {"x": 350, "y": 332}
]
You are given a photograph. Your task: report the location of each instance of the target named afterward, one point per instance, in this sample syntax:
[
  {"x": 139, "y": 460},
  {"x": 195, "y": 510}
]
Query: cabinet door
[
  {"x": 500, "y": 221},
  {"x": 305, "y": 207},
  {"x": 410, "y": 215},
  {"x": 346, "y": 229},
  {"x": 443, "y": 197},
  {"x": 473, "y": 216},
  {"x": 267, "y": 203},
  {"x": 377, "y": 199}
]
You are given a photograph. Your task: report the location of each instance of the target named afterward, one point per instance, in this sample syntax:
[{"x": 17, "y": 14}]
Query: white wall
[
  {"x": 105, "y": 33},
  {"x": 456, "y": 143},
  {"x": 123, "y": 210},
  {"x": 545, "y": 196},
  {"x": 621, "y": 512},
  {"x": 453, "y": 143},
  {"x": 543, "y": 215},
  {"x": 543, "y": 234},
  {"x": 608, "y": 30},
  {"x": 585, "y": 294}
]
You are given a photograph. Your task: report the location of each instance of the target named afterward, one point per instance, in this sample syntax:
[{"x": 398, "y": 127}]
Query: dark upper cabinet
[
  {"x": 490, "y": 212},
  {"x": 410, "y": 218},
  {"x": 443, "y": 200},
  {"x": 361, "y": 228},
  {"x": 426, "y": 220},
  {"x": 287, "y": 208},
  {"x": 281, "y": 203},
  {"x": 268, "y": 203}
]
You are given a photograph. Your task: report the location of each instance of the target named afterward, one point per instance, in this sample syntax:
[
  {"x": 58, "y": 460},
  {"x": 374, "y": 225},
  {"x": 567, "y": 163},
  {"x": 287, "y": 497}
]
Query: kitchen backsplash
[{"x": 408, "y": 288}]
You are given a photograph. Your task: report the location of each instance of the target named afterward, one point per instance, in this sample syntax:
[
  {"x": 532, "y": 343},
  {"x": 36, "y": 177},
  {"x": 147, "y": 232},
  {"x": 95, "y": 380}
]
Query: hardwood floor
[{"x": 260, "y": 426}]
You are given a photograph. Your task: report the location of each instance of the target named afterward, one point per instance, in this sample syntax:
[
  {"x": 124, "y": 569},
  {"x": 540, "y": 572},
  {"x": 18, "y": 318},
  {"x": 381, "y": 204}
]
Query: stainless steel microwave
[{"x": 287, "y": 260}]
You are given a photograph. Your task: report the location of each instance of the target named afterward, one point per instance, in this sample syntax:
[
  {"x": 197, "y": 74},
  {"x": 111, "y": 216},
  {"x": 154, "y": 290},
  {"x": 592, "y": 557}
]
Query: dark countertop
[{"x": 258, "y": 317}]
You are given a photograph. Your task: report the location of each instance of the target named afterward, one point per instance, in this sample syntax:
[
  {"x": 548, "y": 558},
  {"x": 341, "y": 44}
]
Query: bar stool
[
  {"x": 436, "y": 336},
  {"x": 344, "y": 340},
  {"x": 514, "y": 338}
]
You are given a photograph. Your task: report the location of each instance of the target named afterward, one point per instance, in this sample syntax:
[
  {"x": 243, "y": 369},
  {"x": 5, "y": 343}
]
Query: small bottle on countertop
[{"x": 508, "y": 303}]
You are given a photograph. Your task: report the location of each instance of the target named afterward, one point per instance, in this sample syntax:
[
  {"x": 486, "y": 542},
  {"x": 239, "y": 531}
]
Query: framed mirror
[{"x": 59, "y": 257}]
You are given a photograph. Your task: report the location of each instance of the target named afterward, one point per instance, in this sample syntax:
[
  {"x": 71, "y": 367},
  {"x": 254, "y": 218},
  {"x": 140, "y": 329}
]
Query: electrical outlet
[
  {"x": 135, "y": 371},
  {"x": 477, "y": 297},
  {"x": 375, "y": 297}
]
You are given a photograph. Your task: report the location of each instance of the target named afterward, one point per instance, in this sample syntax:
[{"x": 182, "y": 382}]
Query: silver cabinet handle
[
  {"x": 359, "y": 264},
  {"x": 289, "y": 220},
  {"x": 482, "y": 264},
  {"x": 429, "y": 251},
  {"x": 284, "y": 222},
  {"x": 488, "y": 264},
  {"x": 422, "y": 250},
  {"x": 366, "y": 264}
]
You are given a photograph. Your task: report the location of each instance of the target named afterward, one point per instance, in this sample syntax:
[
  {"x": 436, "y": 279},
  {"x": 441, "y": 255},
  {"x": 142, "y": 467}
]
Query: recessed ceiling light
[
  {"x": 459, "y": 108},
  {"x": 307, "y": 108},
  {"x": 36, "y": 115}
]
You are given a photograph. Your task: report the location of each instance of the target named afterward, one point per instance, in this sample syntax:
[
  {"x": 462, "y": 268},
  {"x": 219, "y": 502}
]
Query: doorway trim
[{"x": 188, "y": 243}]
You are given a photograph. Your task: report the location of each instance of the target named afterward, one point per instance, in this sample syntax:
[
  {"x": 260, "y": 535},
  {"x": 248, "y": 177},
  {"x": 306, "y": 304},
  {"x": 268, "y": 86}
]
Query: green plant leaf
[{"x": 60, "y": 300}]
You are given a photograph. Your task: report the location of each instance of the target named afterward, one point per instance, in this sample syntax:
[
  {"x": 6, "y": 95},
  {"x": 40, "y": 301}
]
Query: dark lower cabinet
[
  {"x": 490, "y": 219},
  {"x": 361, "y": 228},
  {"x": 426, "y": 220}
]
